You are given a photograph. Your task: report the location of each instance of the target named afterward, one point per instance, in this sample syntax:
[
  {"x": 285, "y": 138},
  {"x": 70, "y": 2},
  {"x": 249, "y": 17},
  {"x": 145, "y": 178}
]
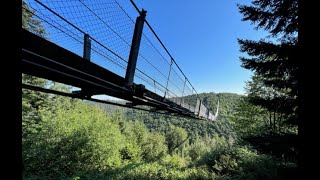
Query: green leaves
[
  {"x": 81, "y": 141},
  {"x": 175, "y": 136},
  {"x": 249, "y": 119},
  {"x": 73, "y": 138},
  {"x": 154, "y": 148},
  {"x": 29, "y": 21}
]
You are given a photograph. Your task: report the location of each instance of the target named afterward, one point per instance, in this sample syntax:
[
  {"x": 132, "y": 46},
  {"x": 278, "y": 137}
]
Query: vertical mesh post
[
  {"x": 165, "y": 93},
  {"x": 87, "y": 47},
  {"x": 134, "y": 51},
  {"x": 184, "y": 85}
]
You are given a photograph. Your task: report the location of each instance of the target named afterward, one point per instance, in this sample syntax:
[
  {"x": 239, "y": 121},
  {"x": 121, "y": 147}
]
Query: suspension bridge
[{"x": 97, "y": 47}]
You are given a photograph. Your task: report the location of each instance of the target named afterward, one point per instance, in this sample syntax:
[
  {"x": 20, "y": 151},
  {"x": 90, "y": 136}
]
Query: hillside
[
  {"x": 194, "y": 127},
  {"x": 228, "y": 102}
]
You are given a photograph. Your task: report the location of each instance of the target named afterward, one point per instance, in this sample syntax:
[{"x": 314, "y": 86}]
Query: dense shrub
[{"x": 74, "y": 138}]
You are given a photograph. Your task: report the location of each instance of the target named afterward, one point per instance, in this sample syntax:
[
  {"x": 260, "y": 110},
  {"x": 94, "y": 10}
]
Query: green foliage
[
  {"x": 273, "y": 90},
  {"x": 238, "y": 162},
  {"x": 173, "y": 161},
  {"x": 131, "y": 152},
  {"x": 140, "y": 133},
  {"x": 193, "y": 127},
  {"x": 276, "y": 17},
  {"x": 208, "y": 150},
  {"x": 29, "y": 22},
  {"x": 249, "y": 119},
  {"x": 32, "y": 101},
  {"x": 197, "y": 149},
  {"x": 175, "y": 137},
  {"x": 261, "y": 167},
  {"x": 154, "y": 148},
  {"x": 149, "y": 146},
  {"x": 158, "y": 171},
  {"x": 73, "y": 139},
  {"x": 80, "y": 141},
  {"x": 274, "y": 84}
]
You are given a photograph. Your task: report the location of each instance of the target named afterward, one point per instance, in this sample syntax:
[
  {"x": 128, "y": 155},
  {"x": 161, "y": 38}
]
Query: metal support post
[
  {"x": 200, "y": 104},
  {"x": 184, "y": 85},
  {"x": 197, "y": 108},
  {"x": 165, "y": 93},
  {"x": 86, "y": 55},
  {"x": 134, "y": 51},
  {"x": 87, "y": 47}
]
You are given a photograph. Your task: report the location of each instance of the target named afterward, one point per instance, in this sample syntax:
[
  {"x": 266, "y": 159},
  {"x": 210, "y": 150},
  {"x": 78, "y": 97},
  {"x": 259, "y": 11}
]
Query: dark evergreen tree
[
  {"x": 29, "y": 22},
  {"x": 272, "y": 59}
]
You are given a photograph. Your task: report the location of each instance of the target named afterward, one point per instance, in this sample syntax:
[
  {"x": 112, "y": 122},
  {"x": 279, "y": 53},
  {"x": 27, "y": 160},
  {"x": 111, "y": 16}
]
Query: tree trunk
[
  {"x": 274, "y": 121},
  {"x": 270, "y": 118},
  {"x": 280, "y": 123}
]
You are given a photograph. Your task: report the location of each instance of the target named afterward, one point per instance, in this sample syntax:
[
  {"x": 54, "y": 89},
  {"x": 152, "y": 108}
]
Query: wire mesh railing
[{"x": 110, "y": 29}]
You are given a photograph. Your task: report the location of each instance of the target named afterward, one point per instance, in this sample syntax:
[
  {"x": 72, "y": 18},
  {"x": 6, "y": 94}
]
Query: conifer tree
[{"x": 272, "y": 58}]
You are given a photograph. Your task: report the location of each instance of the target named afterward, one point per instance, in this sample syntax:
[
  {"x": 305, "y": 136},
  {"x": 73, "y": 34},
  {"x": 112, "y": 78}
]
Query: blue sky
[{"x": 202, "y": 37}]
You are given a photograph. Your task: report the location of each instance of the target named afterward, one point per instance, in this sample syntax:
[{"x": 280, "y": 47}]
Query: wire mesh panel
[
  {"x": 56, "y": 30},
  {"x": 152, "y": 62},
  {"x": 110, "y": 30},
  {"x": 203, "y": 111},
  {"x": 188, "y": 97}
]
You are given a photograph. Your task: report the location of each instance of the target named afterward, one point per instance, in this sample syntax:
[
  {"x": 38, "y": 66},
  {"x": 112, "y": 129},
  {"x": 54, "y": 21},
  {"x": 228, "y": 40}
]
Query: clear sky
[{"x": 202, "y": 37}]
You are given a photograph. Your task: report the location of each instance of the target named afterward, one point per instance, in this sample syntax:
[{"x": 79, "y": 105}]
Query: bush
[
  {"x": 131, "y": 152},
  {"x": 173, "y": 161},
  {"x": 75, "y": 138},
  {"x": 175, "y": 137},
  {"x": 157, "y": 171},
  {"x": 241, "y": 163},
  {"x": 154, "y": 147}
]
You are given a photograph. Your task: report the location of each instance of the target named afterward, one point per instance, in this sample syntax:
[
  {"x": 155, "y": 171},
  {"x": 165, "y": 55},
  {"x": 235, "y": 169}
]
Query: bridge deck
[{"x": 45, "y": 59}]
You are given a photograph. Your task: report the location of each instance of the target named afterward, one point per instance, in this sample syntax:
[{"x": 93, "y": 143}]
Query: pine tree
[
  {"x": 29, "y": 22},
  {"x": 273, "y": 60}
]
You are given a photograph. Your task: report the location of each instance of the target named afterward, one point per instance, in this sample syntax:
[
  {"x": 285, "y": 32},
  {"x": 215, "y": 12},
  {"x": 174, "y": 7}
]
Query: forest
[
  {"x": 254, "y": 136},
  {"x": 66, "y": 138}
]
